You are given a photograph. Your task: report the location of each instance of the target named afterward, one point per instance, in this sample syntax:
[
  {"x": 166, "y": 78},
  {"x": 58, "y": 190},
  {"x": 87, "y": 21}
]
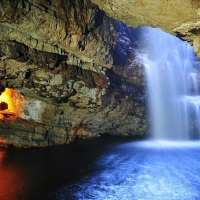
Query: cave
[
  {"x": 84, "y": 80},
  {"x": 74, "y": 79}
]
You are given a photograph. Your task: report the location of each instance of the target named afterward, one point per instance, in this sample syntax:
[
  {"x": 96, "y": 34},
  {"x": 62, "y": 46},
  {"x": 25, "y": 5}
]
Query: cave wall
[
  {"x": 76, "y": 69},
  {"x": 64, "y": 27}
]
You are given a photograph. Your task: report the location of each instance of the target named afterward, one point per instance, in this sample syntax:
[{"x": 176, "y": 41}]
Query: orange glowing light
[
  {"x": 2, "y": 155},
  {"x": 14, "y": 101}
]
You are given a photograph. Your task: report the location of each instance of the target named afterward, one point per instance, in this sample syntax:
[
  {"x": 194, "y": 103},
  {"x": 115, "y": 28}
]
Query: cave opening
[{"x": 10, "y": 104}]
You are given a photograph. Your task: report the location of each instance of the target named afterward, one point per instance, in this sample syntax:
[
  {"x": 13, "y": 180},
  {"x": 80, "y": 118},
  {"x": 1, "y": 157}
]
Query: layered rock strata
[{"x": 75, "y": 68}]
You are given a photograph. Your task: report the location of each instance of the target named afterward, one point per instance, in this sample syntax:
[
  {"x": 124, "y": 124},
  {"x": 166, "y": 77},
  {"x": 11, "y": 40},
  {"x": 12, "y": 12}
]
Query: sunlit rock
[{"x": 196, "y": 44}]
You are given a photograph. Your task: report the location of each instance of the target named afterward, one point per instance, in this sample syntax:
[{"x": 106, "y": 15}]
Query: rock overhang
[{"x": 179, "y": 18}]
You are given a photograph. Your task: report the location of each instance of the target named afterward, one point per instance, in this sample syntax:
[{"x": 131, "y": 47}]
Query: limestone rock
[
  {"x": 76, "y": 69},
  {"x": 77, "y": 27},
  {"x": 196, "y": 44}
]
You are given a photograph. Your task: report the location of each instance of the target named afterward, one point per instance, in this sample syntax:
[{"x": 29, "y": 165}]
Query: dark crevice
[{"x": 28, "y": 74}]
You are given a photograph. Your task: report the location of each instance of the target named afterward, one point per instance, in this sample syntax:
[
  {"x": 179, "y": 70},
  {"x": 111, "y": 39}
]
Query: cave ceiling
[{"x": 177, "y": 17}]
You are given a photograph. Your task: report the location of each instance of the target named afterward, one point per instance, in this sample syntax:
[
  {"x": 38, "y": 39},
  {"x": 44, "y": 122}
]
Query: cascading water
[{"x": 174, "y": 101}]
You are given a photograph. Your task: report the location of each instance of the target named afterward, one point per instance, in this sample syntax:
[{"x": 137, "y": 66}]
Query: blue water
[
  {"x": 141, "y": 170},
  {"x": 103, "y": 168}
]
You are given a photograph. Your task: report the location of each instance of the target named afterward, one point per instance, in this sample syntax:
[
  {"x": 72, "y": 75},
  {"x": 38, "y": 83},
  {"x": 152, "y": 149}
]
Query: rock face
[
  {"x": 64, "y": 27},
  {"x": 76, "y": 70},
  {"x": 180, "y": 18}
]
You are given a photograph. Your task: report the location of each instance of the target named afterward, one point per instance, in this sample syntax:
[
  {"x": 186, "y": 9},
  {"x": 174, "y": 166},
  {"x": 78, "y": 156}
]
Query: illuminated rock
[{"x": 11, "y": 105}]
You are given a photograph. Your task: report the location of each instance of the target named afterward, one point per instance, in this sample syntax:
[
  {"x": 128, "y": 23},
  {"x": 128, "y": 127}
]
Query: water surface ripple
[
  {"x": 107, "y": 168},
  {"x": 141, "y": 170}
]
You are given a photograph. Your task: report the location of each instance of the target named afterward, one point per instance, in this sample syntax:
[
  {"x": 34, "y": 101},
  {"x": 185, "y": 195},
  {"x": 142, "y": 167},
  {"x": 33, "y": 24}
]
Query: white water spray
[{"x": 174, "y": 101}]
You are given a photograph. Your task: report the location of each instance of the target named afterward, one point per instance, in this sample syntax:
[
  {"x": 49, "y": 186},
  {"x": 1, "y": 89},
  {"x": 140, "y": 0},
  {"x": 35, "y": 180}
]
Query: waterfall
[{"x": 172, "y": 87}]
